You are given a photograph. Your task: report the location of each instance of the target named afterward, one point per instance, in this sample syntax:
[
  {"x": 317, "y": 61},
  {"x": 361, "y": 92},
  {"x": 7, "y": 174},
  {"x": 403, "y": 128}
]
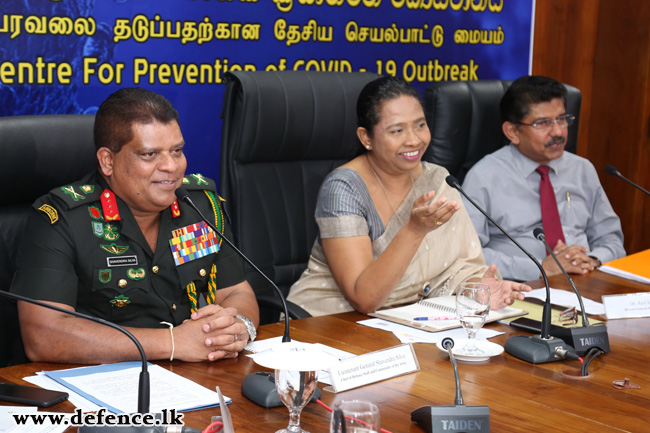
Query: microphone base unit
[
  {"x": 535, "y": 349},
  {"x": 584, "y": 338},
  {"x": 259, "y": 387},
  {"x": 453, "y": 419}
]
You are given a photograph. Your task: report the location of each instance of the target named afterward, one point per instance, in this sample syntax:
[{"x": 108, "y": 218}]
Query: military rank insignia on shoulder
[
  {"x": 77, "y": 194},
  {"x": 197, "y": 182}
]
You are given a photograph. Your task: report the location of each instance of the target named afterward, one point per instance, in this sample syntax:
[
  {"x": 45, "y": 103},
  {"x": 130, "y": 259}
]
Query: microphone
[
  {"x": 143, "y": 385},
  {"x": 453, "y": 419},
  {"x": 184, "y": 196},
  {"x": 255, "y": 386},
  {"x": 535, "y": 349},
  {"x": 587, "y": 336},
  {"x": 611, "y": 170}
]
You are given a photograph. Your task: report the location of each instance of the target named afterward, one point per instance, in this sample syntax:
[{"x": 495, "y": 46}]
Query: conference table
[{"x": 522, "y": 397}]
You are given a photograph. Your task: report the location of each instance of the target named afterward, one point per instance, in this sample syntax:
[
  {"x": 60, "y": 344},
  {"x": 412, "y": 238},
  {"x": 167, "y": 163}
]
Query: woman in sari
[{"x": 391, "y": 231}]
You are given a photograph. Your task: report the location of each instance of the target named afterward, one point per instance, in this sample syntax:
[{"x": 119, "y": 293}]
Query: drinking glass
[
  {"x": 295, "y": 389},
  {"x": 472, "y": 307},
  {"x": 355, "y": 416}
]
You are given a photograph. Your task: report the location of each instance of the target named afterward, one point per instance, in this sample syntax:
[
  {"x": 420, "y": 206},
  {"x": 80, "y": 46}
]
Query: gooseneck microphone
[
  {"x": 539, "y": 235},
  {"x": 453, "y": 419},
  {"x": 184, "y": 196},
  {"x": 143, "y": 386},
  {"x": 587, "y": 336},
  {"x": 258, "y": 387},
  {"x": 535, "y": 349},
  {"x": 611, "y": 170}
]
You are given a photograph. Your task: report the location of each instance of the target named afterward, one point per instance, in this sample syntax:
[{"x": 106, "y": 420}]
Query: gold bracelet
[{"x": 171, "y": 331}]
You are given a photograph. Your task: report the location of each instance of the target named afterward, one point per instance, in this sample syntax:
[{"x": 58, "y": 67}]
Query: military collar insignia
[
  {"x": 120, "y": 301},
  {"x": 115, "y": 249},
  {"x": 87, "y": 189},
  {"x": 176, "y": 211},
  {"x": 50, "y": 212},
  {"x": 72, "y": 193},
  {"x": 109, "y": 206}
]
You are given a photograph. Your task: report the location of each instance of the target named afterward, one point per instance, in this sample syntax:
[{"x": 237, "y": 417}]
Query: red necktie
[{"x": 550, "y": 214}]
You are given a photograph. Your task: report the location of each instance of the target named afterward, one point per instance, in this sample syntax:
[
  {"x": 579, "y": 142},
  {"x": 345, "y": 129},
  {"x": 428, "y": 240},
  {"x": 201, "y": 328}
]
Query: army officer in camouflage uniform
[{"x": 118, "y": 245}]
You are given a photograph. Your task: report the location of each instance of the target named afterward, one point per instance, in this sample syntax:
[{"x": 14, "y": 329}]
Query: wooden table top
[{"x": 521, "y": 396}]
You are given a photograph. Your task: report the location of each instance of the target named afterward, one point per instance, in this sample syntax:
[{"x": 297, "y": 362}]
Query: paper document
[
  {"x": 8, "y": 423},
  {"x": 624, "y": 274},
  {"x": 115, "y": 387},
  {"x": 568, "y": 299},
  {"x": 323, "y": 375},
  {"x": 77, "y": 400}
]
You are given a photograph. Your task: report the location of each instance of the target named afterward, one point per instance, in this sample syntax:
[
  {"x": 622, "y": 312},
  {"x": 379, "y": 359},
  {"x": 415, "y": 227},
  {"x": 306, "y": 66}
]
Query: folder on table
[{"x": 634, "y": 267}]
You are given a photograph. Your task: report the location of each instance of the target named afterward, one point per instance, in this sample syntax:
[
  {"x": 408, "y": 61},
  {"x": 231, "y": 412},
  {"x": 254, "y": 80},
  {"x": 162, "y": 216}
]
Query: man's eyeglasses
[{"x": 547, "y": 124}]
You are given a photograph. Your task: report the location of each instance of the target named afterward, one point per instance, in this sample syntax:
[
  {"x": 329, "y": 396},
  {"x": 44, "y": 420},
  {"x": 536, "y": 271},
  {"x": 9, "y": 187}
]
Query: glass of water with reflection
[
  {"x": 472, "y": 307},
  {"x": 355, "y": 416}
]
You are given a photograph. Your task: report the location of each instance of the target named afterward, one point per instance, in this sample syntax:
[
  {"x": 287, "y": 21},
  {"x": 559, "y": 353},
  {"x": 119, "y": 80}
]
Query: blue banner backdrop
[{"x": 67, "y": 56}]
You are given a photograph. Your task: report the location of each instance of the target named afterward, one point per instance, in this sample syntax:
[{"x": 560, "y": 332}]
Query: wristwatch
[{"x": 252, "y": 333}]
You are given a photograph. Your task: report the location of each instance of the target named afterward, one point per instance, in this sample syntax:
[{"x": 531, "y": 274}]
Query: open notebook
[{"x": 442, "y": 309}]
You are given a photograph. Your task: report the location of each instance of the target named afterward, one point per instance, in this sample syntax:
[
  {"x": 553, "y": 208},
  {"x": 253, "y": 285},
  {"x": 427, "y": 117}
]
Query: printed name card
[
  {"x": 627, "y": 305},
  {"x": 372, "y": 367}
]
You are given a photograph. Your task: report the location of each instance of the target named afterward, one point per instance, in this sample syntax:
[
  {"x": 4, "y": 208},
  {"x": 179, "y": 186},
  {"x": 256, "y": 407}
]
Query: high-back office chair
[
  {"x": 465, "y": 122},
  {"x": 283, "y": 132},
  {"x": 38, "y": 153}
]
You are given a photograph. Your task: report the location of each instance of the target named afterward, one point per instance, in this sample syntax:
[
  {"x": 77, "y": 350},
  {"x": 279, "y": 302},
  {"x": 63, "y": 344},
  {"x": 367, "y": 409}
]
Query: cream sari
[{"x": 451, "y": 254}]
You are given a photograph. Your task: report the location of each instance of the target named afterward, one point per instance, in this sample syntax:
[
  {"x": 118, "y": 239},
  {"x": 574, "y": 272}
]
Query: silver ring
[{"x": 236, "y": 337}]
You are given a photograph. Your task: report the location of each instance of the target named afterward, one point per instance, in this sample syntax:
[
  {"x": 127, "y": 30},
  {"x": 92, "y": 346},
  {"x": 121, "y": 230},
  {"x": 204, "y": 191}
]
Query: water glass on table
[
  {"x": 472, "y": 307},
  {"x": 355, "y": 416}
]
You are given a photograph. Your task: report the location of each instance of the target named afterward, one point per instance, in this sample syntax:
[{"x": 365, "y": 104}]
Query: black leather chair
[
  {"x": 282, "y": 133},
  {"x": 465, "y": 122},
  {"x": 39, "y": 153}
]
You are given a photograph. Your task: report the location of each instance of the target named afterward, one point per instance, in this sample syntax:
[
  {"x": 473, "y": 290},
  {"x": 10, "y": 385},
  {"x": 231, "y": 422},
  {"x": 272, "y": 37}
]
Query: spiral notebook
[{"x": 442, "y": 312}]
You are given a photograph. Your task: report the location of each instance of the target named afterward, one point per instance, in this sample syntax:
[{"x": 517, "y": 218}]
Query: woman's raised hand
[{"x": 428, "y": 217}]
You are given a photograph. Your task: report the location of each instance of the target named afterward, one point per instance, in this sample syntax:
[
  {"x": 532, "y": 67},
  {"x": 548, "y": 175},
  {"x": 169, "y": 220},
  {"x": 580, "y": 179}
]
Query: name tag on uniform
[{"x": 122, "y": 261}]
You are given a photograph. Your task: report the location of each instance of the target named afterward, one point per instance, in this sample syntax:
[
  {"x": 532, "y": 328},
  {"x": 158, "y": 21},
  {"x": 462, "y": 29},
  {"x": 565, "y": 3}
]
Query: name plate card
[
  {"x": 373, "y": 367},
  {"x": 627, "y": 305}
]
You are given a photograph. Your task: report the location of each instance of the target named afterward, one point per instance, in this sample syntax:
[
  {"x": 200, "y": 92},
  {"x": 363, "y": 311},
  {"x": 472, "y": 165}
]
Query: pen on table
[
  {"x": 568, "y": 199},
  {"x": 427, "y": 319}
]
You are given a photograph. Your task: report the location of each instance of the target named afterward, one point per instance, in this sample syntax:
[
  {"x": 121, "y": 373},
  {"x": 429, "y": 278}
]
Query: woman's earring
[{"x": 368, "y": 147}]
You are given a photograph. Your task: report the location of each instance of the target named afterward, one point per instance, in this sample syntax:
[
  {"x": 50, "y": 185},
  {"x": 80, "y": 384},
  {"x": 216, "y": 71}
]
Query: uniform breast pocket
[
  {"x": 196, "y": 271},
  {"x": 120, "y": 292}
]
